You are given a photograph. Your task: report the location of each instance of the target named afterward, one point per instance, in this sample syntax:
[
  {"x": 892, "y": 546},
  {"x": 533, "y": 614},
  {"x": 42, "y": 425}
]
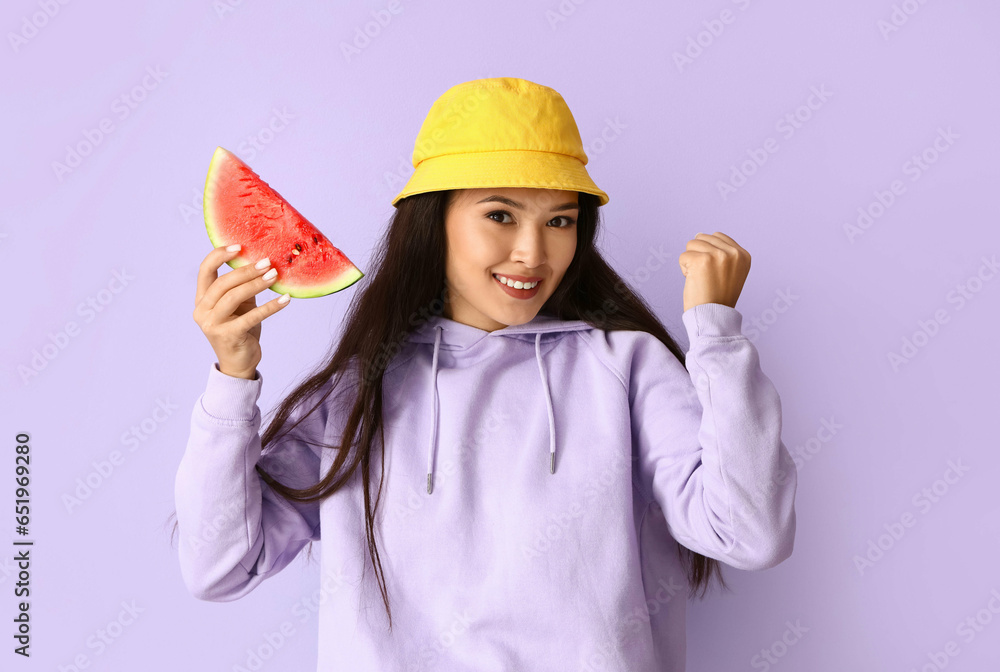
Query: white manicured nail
[
  {"x": 263, "y": 263},
  {"x": 271, "y": 275},
  {"x": 233, "y": 248}
]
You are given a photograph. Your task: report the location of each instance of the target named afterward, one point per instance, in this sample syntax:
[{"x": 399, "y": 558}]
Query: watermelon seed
[
  {"x": 315, "y": 240},
  {"x": 298, "y": 247},
  {"x": 289, "y": 260}
]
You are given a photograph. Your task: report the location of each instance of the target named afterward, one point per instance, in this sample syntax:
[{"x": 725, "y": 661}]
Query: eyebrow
[{"x": 514, "y": 204}]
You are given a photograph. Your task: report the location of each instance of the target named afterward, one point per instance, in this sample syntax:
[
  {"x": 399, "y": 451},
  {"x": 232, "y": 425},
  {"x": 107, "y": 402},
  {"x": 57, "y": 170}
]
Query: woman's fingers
[
  {"x": 212, "y": 287},
  {"x": 208, "y": 270},
  {"x": 253, "y": 317}
]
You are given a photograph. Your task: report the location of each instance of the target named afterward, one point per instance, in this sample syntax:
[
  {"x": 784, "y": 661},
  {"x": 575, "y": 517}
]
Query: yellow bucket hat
[{"x": 499, "y": 132}]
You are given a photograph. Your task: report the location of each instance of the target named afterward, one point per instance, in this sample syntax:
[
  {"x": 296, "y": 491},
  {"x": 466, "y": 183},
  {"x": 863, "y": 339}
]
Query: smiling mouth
[
  {"x": 517, "y": 293},
  {"x": 524, "y": 285}
]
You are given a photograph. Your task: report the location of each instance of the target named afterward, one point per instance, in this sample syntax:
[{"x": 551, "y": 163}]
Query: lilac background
[{"x": 132, "y": 204}]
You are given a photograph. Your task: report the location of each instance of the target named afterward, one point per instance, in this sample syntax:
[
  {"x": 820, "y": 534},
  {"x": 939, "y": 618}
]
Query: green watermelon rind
[{"x": 341, "y": 282}]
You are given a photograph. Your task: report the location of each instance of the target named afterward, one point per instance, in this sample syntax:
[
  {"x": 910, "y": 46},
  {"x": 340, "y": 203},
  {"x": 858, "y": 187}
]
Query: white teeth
[{"x": 516, "y": 284}]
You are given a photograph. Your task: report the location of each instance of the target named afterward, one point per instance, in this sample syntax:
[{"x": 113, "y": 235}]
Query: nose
[{"x": 529, "y": 247}]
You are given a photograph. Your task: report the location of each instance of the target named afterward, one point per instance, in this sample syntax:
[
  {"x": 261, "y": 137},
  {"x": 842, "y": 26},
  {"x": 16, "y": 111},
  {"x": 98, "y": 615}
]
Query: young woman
[{"x": 507, "y": 460}]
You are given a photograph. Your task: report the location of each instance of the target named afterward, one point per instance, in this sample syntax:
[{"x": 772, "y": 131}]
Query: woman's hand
[
  {"x": 716, "y": 268},
  {"x": 226, "y": 310}
]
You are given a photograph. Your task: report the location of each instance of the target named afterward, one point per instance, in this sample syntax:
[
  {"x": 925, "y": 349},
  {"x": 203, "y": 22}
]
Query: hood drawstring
[
  {"x": 548, "y": 403},
  {"x": 434, "y": 393}
]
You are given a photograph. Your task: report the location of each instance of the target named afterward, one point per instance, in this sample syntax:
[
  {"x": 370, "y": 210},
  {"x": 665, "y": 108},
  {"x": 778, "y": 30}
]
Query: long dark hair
[{"x": 407, "y": 278}]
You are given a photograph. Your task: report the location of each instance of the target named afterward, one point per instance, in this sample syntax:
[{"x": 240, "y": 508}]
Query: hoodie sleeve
[
  {"x": 708, "y": 442},
  {"x": 235, "y": 531}
]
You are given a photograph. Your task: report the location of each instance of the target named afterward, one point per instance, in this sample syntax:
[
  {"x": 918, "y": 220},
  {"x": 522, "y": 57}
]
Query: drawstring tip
[
  {"x": 552, "y": 463},
  {"x": 428, "y": 483}
]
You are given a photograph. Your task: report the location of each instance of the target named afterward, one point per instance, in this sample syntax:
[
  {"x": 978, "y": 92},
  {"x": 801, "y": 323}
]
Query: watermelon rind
[{"x": 343, "y": 281}]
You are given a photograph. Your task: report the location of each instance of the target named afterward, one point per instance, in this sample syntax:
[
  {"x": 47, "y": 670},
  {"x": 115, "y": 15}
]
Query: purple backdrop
[{"x": 847, "y": 146}]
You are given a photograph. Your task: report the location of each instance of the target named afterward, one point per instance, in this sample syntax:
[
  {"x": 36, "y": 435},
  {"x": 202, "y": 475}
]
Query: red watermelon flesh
[{"x": 241, "y": 208}]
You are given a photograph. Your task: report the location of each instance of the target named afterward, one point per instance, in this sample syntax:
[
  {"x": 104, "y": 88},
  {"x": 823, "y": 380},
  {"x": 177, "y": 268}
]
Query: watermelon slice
[{"x": 241, "y": 208}]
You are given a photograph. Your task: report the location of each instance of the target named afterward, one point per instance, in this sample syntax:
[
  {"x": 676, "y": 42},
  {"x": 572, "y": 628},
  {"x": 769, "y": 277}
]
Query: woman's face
[{"x": 518, "y": 233}]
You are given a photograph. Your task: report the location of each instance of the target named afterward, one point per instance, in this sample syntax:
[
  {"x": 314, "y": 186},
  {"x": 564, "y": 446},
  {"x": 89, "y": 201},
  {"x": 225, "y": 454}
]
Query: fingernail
[
  {"x": 270, "y": 275},
  {"x": 233, "y": 248},
  {"x": 283, "y": 298},
  {"x": 263, "y": 263}
]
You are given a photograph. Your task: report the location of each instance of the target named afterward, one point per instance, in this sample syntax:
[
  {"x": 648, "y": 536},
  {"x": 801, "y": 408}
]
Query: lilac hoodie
[{"x": 538, "y": 479}]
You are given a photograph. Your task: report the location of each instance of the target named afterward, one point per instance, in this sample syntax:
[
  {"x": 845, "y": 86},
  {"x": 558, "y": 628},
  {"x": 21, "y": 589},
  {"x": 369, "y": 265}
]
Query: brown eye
[{"x": 501, "y": 213}]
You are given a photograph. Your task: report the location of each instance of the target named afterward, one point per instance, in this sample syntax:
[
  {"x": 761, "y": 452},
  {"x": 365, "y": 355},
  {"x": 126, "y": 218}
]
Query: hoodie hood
[{"x": 442, "y": 333}]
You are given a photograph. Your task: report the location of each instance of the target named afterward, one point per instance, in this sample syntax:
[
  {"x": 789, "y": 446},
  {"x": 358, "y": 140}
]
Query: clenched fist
[{"x": 716, "y": 268}]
